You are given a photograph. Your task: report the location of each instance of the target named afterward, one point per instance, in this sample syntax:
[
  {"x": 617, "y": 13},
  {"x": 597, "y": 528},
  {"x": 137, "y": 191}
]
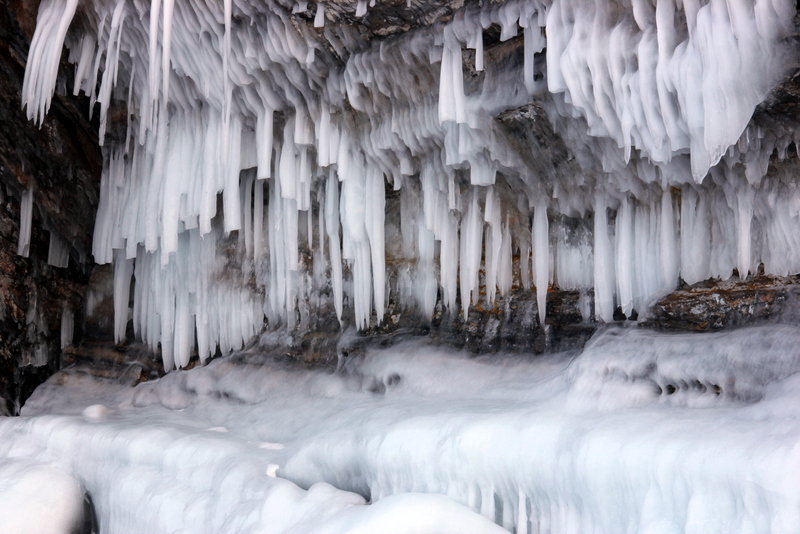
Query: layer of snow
[{"x": 641, "y": 432}]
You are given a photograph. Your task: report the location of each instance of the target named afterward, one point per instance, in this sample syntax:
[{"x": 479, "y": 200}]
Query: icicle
[
  {"x": 82, "y": 68},
  {"x": 744, "y": 217},
  {"x": 522, "y": 514},
  {"x": 452, "y": 102},
  {"x": 58, "y": 253},
  {"x": 110, "y": 70},
  {"x": 247, "y": 213},
  {"x": 541, "y": 257},
  {"x": 525, "y": 265},
  {"x": 123, "y": 270},
  {"x": 230, "y": 197},
  {"x": 319, "y": 17},
  {"x": 166, "y": 50},
  {"x": 425, "y": 281},
  {"x": 332, "y": 225},
  {"x": 448, "y": 260},
  {"x": 479, "y": 52},
  {"x": 264, "y": 138},
  {"x": 695, "y": 237},
  {"x": 505, "y": 275},
  {"x": 44, "y": 55},
  {"x": 494, "y": 243},
  {"x": 669, "y": 249},
  {"x": 374, "y": 219},
  {"x": 258, "y": 219},
  {"x": 603, "y": 263},
  {"x": 25, "y": 220},
  {"x": 226, "y": 68},
  {"x": 624, "y": 254},
  {"x": 153, "y": 71},
  {"x": 470, "y": 257},
  {"x": 487, "y": 508},
  {"x": 531, "y": 46},
  {"x": 67, "y": 327}
]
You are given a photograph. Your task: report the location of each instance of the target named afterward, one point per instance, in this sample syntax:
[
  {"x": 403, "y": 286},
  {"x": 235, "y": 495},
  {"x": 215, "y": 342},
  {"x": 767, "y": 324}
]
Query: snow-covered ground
[{"x": 640, "y": 433}]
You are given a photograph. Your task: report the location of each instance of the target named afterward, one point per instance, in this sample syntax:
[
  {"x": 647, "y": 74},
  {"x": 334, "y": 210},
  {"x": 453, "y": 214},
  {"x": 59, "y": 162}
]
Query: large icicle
[
  {"x": 470, "y": 257},
  {"x": 541, "y": 257},
  {"x": 603, "y": 264},
  {"x": 332, "y": 226},
  {"x": 625, "y": 255},
  {"x": 123, "y": 270},
  {"x": 44, "y": 55}
]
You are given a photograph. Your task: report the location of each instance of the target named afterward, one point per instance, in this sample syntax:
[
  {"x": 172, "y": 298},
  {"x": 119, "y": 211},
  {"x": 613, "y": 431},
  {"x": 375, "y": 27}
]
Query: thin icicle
[
  {"x": 332, "y": 226},
  {"x": 25, "y": 222},
  {"x": 625, "y": 255},
  {"x": 67, "y": 327},
  {"x": 123, "y": 270},
  {"x": 541, "y": 256},
  {"x": 58, "y": 253},
  {"x": 603, "y": 263},
  {"x": 669, "y": 249}
]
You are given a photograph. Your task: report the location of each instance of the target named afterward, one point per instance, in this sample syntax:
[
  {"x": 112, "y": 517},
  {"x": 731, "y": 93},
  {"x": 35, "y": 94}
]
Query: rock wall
[{"x": 61, "y": 164}]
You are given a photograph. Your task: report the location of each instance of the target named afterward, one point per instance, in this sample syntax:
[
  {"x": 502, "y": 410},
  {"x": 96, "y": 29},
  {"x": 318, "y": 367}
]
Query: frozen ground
[{"x": 640, "y": 433}]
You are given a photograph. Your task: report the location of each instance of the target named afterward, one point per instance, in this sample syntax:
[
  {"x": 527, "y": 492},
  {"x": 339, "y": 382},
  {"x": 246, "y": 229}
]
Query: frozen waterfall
[{"x": 301, "y": 128}]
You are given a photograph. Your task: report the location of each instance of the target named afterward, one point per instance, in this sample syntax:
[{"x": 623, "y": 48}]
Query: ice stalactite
[
  {"x": 301, "y": 126},
  {"x": 603, "y": 270},
  {"x": 58, "y": 252},
  {"x": 67, "y": 327},
  {"x": 25, "y": 222},
  {"x": 541, "y": 256}
]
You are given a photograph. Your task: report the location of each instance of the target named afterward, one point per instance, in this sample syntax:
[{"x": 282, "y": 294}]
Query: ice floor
[{"x": 640, "y": 433}]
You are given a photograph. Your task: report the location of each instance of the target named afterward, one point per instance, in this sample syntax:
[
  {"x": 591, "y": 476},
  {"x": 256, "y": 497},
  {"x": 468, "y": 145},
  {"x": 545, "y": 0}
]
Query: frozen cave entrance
[{"x": 302, "y": 208}]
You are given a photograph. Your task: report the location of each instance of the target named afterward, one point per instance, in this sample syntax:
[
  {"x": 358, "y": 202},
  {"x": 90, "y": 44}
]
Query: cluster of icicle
[{"x": 300, "y": 127}]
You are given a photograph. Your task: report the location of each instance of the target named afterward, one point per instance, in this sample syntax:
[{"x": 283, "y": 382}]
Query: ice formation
[
  {"x": 300, "y": 125},
  {"x": 38, "y": 498},
  {"x": 160, "y": 478},
  {"x": 25, "y": 221},
  {"x": 58, "y": 253},
  {"x": 641, "y": 432}
]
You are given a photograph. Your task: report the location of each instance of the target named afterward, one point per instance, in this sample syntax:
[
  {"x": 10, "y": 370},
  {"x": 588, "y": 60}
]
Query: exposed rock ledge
[{"x": 715, "y": 305}]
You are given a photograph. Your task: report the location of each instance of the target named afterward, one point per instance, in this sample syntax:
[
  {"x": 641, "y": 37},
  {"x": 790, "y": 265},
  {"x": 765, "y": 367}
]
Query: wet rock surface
[
  {"x": 384, "y": 18},
  {"x": 716, "y": 305},
  {"x": 61, "y": 163}
]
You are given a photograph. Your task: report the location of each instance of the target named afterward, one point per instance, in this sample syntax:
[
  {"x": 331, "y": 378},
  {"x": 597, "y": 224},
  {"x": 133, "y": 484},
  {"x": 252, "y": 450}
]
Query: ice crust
[
  {"x": 569, "y": 443},
  {"x": 653, "y": 100},
  {"x": 38, "y": 498}
]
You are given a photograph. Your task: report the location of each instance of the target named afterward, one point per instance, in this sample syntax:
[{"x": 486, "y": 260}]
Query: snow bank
[{"x": 591, "y": 442}]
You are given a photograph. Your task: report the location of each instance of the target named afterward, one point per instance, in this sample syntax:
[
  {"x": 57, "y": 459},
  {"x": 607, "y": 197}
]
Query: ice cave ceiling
[{"x": 267, "y": 161}]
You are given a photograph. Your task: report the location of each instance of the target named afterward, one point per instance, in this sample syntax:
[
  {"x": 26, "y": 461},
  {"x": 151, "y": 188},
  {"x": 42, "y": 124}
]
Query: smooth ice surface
[
  {"x": 300, "y": 125},
  {"x": 641, "y": 432},
  {"x": 38, "y": 498}
]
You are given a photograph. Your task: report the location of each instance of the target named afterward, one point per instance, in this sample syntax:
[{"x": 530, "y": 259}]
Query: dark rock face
[
  {"x": 61, "y": 163},
  {"x": 511, "y": 324},
  {"x": 715, "y": 305},
  {"x": 386, "y": 18}
]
